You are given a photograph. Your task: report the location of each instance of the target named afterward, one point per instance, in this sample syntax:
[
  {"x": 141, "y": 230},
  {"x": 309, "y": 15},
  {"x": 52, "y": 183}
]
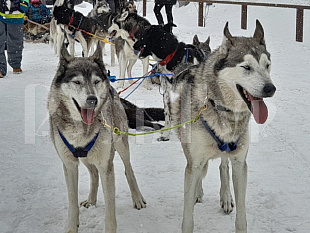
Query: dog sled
[{"x": 35, "y": 32}]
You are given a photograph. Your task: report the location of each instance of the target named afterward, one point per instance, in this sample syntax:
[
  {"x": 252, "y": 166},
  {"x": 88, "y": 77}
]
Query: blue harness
[
  {"x": 79, "y": 152},
  {"x": 229, "y": 147}
]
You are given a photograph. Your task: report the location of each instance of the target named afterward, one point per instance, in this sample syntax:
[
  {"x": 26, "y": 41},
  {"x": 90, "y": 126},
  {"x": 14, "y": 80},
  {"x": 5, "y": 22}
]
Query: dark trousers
[
  {"x": 11, "y": 35},
  {"x": 159, "y": 17}
]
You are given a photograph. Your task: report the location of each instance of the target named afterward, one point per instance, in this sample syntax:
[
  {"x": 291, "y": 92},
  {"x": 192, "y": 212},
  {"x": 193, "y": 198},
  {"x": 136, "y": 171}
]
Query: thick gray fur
[
  {"x": 216, "y": 79},
  {"x": 78, "y": 79}
]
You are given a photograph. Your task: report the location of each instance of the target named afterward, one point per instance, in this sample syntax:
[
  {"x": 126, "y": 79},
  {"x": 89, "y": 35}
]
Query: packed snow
[{"x": 33, "y": 195}]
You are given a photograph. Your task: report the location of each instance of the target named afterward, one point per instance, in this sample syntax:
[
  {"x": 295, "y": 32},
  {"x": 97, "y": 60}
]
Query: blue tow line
[
  {"x": 114, "y": 79},
  {"x": 134, "y": 89}
]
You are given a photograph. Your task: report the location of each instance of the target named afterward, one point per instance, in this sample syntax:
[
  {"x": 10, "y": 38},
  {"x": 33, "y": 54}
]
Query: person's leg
[
  {"x": 168, "y": 8},
  {"x": 15, "y": 45},
  {"x": 3, "y": 65},
  {"x": 112, "y": 5},
  {"x": 159, "y": 17}
]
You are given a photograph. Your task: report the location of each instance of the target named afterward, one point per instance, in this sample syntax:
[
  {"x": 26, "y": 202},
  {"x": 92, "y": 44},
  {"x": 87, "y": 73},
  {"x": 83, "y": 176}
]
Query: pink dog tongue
[
  {"x": 259, "y": 109},
  {"x": 88, "y": 115}
]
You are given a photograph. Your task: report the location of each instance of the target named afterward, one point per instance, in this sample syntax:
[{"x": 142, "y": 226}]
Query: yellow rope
[
  {"x": 105, "y": 40},
  {"x": 116, "y": 130}
]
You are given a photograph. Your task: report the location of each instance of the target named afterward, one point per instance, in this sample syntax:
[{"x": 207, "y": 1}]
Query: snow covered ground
[{"x": 33, "y": 196}]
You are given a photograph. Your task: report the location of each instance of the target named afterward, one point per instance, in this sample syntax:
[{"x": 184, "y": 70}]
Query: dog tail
[{"x": 139, "y": 117}]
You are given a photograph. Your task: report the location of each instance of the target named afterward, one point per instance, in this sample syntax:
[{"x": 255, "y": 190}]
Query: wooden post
[
  {"x": 299, "y": 24},
  {"x": 200, "y": 14},
  {"x": 144, "y": 8},
  {"x": 244, "y": 16}
]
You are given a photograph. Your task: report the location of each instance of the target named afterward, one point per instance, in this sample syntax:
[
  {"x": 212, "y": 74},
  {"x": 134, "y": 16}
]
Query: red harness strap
[
  {"x": 71, "y": 20},
  {"x": 167, "y": 59},
  {"x": 132, "y": 32}
]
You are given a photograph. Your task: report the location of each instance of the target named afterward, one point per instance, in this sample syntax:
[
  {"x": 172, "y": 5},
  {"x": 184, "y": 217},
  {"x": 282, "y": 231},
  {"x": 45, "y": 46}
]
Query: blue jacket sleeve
[{"x": 23, "y": 5}]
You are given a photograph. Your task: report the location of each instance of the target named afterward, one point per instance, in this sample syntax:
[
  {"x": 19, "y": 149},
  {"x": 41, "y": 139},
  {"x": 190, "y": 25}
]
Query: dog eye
[
  {"x": 246, "y": 67},
  {"x": 267, "y": 66},
  {"x": 96, "y": 82},
  {"x": 77, "y": 82}
]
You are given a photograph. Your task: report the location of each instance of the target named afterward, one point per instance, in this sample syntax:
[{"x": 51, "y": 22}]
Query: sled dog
[
  {"x": 172, "y": 55},
  {"x": 230, "y": 84},
  {"x": 81, "y": 104},
  {"x": 143, "y": 117},
  {"x": 100, "y": 15},
  {"x": 103, "y": 15},
  {"x": 203, "y": 46},
  {"x": 57, "y": 31},
  {"x": 131, "y": 7},
  {"x": 128, "y": 26}
]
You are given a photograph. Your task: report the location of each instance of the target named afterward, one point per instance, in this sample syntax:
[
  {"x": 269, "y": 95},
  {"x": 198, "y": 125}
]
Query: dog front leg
[
  {"x": 192, "y": 176},
  {"x": 106, "y": 171},
  {"x": 94, "y": 181},
  {"x": 239, "y": 175},
  {"x": 113, "y": 55},
  {"x": 131, "y": 63},
  {"x": 71, "y": 176},
  {"x": 122, "y": 148},
  {"x": 147, "y": 82},
  {"x": 199, "y": 189},
  {"x": 71, "y": 46},
  {"x": 59, "y": 40},
  {"x": 122, "y": 68},
  {"x": 165, "y": 135},
  {"x": 226, "y": 200}
]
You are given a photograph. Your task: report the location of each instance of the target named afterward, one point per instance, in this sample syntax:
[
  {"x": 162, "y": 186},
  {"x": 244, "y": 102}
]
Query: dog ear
[
  {"x": 98, "y": 53},
  {"x": 227, "y": 33},
  {"x": 196, "y": 40},
  {"x": 228, "y": 40},
  {"x": 259, "y": 33},
  {"x": 123, "y": 16},
  {"x": 208, "y": 41},
  {"x": 64, "y": 59},
  {"x": 98, "y": 58},
  {"x": 64, "y": 55}
]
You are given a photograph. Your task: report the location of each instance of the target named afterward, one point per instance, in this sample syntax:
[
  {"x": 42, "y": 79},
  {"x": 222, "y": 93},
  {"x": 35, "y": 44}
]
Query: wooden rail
[{"x": 244, "y": 12}]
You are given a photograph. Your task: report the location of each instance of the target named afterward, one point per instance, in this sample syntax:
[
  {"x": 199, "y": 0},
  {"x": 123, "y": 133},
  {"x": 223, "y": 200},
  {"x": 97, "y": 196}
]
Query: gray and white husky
[
  {"x": 231, "y": 84},
  {"x": 81, "y": 102}
]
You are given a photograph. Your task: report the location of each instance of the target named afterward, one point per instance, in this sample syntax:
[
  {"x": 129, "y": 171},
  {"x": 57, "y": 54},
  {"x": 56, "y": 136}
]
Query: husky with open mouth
[
  {"x": 81, "y": 104},
  {"x": 226, "y": 88}
]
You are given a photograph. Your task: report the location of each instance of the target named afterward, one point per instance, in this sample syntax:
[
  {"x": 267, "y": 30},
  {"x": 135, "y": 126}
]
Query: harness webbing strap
[
  {"x": 168, "y": 58},
  {"x": 229, "y": 147},
  {"x": 186, "y": 58},
  {"x": 132, "y": 32},
  {"x": 79, "y": 152}
]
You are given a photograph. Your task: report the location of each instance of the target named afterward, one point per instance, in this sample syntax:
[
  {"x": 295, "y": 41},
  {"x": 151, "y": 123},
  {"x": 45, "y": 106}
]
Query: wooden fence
[{"x": 244, "y": 12}]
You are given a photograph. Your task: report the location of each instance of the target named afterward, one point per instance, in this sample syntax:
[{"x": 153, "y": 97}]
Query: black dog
[
  {"x": 158, "y": 42},
  {"x": 138, "y": 117},
  {"x": 173, "y": 56}
]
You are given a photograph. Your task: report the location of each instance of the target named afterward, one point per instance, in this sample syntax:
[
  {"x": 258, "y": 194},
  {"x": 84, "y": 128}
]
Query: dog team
[{"x": 220, "y": 89}]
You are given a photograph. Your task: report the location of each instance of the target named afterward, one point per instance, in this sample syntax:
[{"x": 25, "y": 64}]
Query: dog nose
[
  {"x": 269, "y": 89},
  {"x": 91, "y": 101}
]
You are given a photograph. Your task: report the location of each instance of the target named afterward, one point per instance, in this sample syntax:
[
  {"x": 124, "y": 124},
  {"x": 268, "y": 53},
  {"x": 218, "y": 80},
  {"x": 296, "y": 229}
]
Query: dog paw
[
  {"x": 199, "y": 200},
  {"x": 199, "y": 193},
  {"x": 87, "y": 203},
  {"x": 227, "y": 204},
  {"x": 139, "y": 203},
  {"x": 72, "y": 229},
  {"x": 163, "y": 139}
]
